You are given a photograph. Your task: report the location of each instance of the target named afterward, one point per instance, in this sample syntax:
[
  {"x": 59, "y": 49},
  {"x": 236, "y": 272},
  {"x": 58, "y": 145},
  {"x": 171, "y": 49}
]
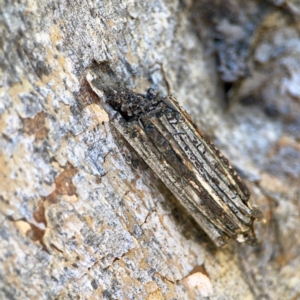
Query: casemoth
[{"x": 181, "y": 155}]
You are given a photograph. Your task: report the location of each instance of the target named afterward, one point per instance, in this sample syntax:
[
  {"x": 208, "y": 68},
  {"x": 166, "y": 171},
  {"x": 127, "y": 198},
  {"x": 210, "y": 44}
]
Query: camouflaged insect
[{"x": 199, "y": 176}]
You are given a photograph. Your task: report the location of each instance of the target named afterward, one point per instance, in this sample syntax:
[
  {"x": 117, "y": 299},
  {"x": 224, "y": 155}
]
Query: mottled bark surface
[{"x": 82, "y": 217}]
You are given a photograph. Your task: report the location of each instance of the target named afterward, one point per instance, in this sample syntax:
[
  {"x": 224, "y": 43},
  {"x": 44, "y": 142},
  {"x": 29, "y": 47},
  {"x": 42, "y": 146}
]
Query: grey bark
[{"x": 81, "y": 215}]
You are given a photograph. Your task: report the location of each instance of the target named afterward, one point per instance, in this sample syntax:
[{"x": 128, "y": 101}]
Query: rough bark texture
[{"x": 82, "y": 217}]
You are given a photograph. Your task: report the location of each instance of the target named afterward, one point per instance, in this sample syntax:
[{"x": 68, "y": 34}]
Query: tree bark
[{"x": 82, "y": 216}]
